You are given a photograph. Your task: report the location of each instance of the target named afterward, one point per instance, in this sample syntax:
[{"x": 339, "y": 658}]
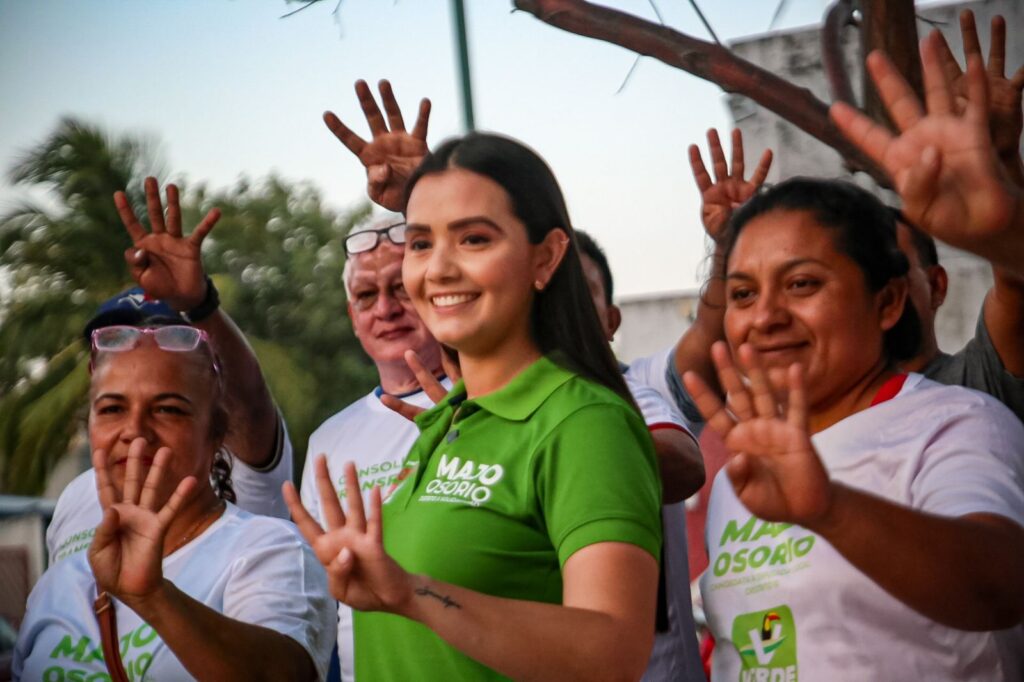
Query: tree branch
[{"x": 705, "y": 60}]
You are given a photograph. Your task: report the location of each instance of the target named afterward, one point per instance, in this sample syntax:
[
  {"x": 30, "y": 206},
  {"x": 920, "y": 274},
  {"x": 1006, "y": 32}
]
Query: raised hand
[
  {"x": 428, "y": 382},
  {"x": 359, "y": 572},
  {"x": 392, "y": 154},
  {"x": 728, "y": 190},
  {"x": 774, "y": 469},
  {"x": 164, "y": 262},
  {"x": 127, "y": 551},
  {"x": 1006, "y": 119},
  {"x": 942, "y": 163}
]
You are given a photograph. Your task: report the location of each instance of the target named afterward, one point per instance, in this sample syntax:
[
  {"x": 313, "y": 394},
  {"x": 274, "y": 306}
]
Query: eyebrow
[
  {"x": 788, "y": 265},
  {"x": 160, "y": 396},
  {"x": 459, "y": 224}
]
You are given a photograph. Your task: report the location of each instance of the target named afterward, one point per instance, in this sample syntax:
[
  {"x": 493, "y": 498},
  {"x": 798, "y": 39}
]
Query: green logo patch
[{"x": 766, "y": 641}]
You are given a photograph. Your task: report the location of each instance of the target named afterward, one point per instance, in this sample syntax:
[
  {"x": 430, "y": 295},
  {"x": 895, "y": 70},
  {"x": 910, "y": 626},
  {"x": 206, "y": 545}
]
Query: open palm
[
  {"x": 165, "y": 263},
  {"x": 721, "y": 196},
  {"x": 126, "y": 553},
  {"x": 775, "y": 470},
  {"x": 392, "y": 154},
  {"x": 360, "y": 573}
]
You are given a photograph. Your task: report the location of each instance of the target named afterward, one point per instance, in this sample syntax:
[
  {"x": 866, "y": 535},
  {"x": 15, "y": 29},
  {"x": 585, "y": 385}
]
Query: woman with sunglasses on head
[
  {"x": 870, "y": 522},
  {"x": 199, "y": 588},
  {"x": 522, "y": 538}
]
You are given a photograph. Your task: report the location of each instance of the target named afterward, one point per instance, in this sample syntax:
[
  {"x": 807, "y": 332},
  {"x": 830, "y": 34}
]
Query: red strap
[{"x": 890, "y": 389}]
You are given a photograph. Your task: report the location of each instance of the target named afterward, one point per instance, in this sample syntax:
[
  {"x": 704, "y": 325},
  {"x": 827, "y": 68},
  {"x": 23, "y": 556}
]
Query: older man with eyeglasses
[{"x": 367, "y": 432}]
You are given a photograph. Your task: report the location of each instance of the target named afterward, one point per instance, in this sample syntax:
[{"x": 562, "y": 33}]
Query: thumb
[
  {"x": 136, "y": 257},
  {"x": 738, "y": 470}
]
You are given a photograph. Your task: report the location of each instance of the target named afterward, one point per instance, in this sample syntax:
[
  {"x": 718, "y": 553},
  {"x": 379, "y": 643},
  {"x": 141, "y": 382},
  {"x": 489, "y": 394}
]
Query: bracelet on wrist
[{"x": 209, "y": 305}]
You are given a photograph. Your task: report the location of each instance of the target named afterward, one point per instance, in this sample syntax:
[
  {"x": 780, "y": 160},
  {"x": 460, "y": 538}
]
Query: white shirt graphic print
[{"x": 783, "y": 604}]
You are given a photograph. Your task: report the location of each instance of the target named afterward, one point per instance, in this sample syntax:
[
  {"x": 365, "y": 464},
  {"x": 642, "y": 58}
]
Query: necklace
[{"x": 196, "y": 528}]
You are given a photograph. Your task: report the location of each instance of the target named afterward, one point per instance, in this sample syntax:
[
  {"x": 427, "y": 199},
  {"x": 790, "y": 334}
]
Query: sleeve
[
  {"x": 659, "y": 373},
  {"x": 259, "y": 490},
  {"x": 597, "y": 481},
  {"x": 74, "y": 517},
  {"x": 979, "y": 366},
  {"x": 973, "y": 465},
  {"x": 279, "y": 584},
  {"x": 657, "y": 412}
]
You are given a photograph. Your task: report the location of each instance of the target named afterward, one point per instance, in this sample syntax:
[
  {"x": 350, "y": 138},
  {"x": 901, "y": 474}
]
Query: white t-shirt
[
  {"x": 784, "y": 604},
  {"x": 658, "y": 371},
  {"x": 78, "y": 508},
  {"x": 251, "y": 568},
  {"x": 377, "y": 439},
  {"x": 676, "y": 655}
]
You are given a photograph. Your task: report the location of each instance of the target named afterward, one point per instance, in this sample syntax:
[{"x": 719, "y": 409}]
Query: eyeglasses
[
  {"x": 177, "y": 338},
  {"x": 368, "y": 240}
]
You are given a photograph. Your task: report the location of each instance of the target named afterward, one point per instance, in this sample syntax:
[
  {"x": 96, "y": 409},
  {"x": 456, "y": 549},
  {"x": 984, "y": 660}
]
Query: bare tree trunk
[
  {"x": 890, "y": 26},
  {"x": 705, "y": 60}
]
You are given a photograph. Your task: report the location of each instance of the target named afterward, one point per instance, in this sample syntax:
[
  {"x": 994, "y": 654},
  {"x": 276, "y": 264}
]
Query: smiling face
[
  {"x": 795, "y": 298},
  {"x": 162, "y": 396},
  {"x": 469, "y": 266},
  {"x": 383, "y": 317}
]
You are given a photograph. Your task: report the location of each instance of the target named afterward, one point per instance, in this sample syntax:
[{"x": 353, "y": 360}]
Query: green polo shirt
[{"x": 501, "y": 491}]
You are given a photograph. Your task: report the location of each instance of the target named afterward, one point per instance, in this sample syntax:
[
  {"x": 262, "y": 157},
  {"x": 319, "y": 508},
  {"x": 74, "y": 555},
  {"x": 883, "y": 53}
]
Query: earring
[{"x": 538, "y": 285}]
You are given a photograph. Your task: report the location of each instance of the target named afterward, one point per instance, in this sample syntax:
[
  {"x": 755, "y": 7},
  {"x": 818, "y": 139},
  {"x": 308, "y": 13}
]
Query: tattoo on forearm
[{"x": 443, "y": 598}]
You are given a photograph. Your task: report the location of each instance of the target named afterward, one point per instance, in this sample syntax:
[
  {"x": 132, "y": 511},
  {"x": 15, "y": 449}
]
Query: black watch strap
[{"x": 209, "y": 305}]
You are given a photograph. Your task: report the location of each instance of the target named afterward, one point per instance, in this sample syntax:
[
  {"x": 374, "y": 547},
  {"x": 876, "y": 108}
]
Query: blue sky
[{"x": 231, "y": 89}]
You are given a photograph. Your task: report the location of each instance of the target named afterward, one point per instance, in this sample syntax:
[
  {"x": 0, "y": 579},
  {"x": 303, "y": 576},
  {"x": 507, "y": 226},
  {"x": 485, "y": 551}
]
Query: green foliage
[{"x": 276, "y": 257}]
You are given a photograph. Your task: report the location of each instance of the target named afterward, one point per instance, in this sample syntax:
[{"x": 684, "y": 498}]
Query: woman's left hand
[
  {"x": 126, "y": 553},
  {"x": 360, "y": 573},
  {"x": 774, "y": 469}
]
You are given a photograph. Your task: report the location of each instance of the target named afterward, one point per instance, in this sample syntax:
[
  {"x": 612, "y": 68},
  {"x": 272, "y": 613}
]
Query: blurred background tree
[{"x": 276, "y": 257}]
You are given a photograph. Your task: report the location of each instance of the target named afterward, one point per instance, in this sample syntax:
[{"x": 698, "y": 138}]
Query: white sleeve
[
  {"x": 307, "y": 489},
  {"x": 658, "y": 372},
  {"x": 657, "y": 412},
  {"x": 281, "y": 586},
  {"x": 78, "y": 503},
  {"x": 258, "y": 491},
  {"x": 974, "y": 465}
]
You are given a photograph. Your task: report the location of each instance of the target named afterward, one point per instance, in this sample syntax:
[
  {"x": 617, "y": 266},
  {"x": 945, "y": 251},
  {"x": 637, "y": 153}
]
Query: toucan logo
[
  {"x": 764, "y": 643},
  {"x": 766, "y": 640}
]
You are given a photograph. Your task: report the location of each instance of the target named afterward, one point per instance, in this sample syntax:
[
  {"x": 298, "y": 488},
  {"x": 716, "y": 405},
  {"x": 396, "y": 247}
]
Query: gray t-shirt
[{"x": 977, "y": 365}]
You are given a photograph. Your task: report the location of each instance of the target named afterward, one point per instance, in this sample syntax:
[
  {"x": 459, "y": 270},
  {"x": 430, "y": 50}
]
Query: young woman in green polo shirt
[{"x": 522, "y": 537}]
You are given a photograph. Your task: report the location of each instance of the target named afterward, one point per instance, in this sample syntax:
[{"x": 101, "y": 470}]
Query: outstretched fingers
[
  {"x": 899, "y": 99},
  {"x": 153, "y": 206},
  {"x": 737, "y": 154},
  {"x": 204, "y": 227},
  {"x": 151, "y": 486},
  {"x": 131, "y": 223},
  {"x": 133, "y": 471},
  {"x": 387, "y": 98},
  {"x": 937, "y": 92},
  {"x": 718, "y": 163},
  {"x": 870, "y": 137},
  {"x": 763, "y": 166},
  {"x": 105, "y": 490},
  {"x": 796, "y": 405},
  {"x": 374, "y": 525},
  {"x": 700, "y": 171},
  {"x": 737, "y": 397},
  {"x": 403, "y": 408},
  {"x": 371, "y": 111},
  {"x": 354, "y": 497},
  {"x": 304, "y": 521},
  {"x": 176, "y": 501},
  {"x": 173, "y": 211},
  {"x": 997, "y": 47},
  {"x": 710, "y": 405},
  {"x": 333, "y": 515},
  {"x": 352, "y": 142},
  {"x": 427, "y": 381},
  {"x": 765, "y": 403},
  {"x": 419, "y": 131},
  {"x": 977, "y": 93}
]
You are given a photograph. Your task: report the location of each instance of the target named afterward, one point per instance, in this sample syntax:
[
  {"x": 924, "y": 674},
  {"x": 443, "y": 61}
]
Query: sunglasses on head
[{"x": 177, "y": 338}]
